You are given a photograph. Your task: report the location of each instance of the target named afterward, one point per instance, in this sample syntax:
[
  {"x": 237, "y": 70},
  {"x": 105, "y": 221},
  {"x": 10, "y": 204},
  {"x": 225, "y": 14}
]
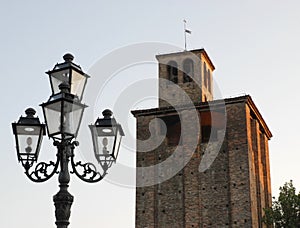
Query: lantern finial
[
  {"x": 68, "y": 57},
  {"x": 107, "y": 113},
  {"x": 64, "y": 87},
  {"x": 30, "y": 112}
]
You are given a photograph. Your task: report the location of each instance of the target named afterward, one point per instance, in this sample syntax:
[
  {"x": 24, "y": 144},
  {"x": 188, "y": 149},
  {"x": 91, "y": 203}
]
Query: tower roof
[{"x": 195, "y": 51}]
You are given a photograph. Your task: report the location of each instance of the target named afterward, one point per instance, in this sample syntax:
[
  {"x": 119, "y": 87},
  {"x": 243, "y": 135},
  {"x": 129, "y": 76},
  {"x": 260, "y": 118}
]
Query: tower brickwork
[{"x": 225, "y": 182}]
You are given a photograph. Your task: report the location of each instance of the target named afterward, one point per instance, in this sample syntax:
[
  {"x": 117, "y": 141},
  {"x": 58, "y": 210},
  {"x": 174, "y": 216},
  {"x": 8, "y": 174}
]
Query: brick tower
[{"x": 225, "y": 179}]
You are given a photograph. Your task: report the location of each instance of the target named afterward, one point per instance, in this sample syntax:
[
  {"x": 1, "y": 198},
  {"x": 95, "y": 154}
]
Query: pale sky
[{"x": 253, "y": 44}]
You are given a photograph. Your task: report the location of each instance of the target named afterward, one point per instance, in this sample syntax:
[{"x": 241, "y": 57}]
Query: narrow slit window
[
  {"x": 209, "y": 80},
  {"x": 205, "y": 75}
]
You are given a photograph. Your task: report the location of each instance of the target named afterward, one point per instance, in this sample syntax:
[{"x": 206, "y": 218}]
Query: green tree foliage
[{"x": 285, "y": 211}]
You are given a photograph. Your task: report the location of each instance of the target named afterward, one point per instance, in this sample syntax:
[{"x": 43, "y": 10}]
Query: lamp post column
[{"x": 63, "y": 199}]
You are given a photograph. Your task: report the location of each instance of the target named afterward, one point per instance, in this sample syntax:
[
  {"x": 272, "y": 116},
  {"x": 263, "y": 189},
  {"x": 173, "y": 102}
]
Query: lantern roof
[{"x": 67, "y": 64}]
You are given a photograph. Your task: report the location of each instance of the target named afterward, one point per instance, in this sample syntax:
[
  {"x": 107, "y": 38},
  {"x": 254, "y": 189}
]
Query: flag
[{"x": 188, "y": 31}]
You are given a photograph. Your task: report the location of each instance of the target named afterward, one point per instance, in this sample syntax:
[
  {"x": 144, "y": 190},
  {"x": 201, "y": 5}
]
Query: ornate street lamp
[{"x": 63, "y": 114}]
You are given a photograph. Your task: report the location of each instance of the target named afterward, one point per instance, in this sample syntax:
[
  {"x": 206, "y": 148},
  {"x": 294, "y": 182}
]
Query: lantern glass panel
[
  {"x": 104, "y": 140},
  {"x": 52, "y": 116},
  {"x": 117, "y": 143},
  {"x": 78, "y": 83},
  {"x": 72, "y": 117},
  {"x": 59, "y": 77},
  {"x": 29, "y": 141}
]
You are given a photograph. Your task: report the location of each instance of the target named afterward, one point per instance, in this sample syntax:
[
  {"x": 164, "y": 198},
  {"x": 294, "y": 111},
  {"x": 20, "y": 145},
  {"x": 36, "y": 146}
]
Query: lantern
[
  {"x": 70, "y": 73},
  {"x": 106, "y": 135},
  {"x": 63, "y": 114},
  {"x": 28, "y": 133}
]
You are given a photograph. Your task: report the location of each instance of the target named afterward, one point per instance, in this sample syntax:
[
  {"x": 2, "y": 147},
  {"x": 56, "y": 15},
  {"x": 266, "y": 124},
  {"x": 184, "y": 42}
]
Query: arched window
[
  {"x": 172, "y": 70},
  {"x": 188, "y": 70}
]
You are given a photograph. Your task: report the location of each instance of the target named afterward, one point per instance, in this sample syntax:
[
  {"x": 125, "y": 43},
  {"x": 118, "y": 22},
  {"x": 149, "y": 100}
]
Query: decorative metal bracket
[
  {"x": 85, "y": 171},
  {"x": 89, "y": 172},
  {"x": 41, "y": 172}
]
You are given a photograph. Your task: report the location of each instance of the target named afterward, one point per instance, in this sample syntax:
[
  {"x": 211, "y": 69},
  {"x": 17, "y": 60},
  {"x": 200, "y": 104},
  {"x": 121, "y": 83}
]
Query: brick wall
[{"x": 232, "y": 192}]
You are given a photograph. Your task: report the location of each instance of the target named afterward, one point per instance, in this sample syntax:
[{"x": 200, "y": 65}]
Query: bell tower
[
  {"x": 188, "y": 77},
  {"x": 216, "y": 176}
]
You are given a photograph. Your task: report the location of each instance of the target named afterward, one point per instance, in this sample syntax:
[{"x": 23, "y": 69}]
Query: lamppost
[{"x": 63, "y": 114}]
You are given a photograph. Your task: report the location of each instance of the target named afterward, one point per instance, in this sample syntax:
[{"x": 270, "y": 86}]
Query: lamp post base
[{"x": 63, "y": 201}]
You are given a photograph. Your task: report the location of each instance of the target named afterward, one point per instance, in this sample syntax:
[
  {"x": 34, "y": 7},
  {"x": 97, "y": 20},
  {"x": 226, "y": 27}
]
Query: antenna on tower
[{"x": 185, "y": 32}]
